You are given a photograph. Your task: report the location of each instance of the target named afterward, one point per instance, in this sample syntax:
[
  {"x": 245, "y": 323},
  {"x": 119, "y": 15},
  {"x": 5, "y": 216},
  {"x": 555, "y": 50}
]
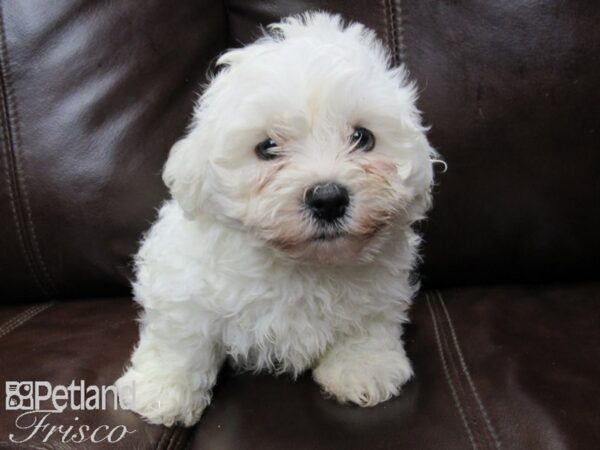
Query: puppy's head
[{"x": 309, "y": 139}]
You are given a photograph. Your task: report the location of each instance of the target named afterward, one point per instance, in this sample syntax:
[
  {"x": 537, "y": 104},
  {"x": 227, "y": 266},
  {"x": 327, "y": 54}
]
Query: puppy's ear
[{"x": 185, "y": 173}]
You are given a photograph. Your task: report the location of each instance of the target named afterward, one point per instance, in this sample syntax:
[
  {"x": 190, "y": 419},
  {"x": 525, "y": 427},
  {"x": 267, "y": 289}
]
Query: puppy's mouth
[{"x": 326, "y": 236}]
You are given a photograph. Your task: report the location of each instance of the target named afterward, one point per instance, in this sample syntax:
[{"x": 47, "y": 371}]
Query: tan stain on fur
[
  {"x": 268, "y": 178},
  {"x": 378, "y": 167}
]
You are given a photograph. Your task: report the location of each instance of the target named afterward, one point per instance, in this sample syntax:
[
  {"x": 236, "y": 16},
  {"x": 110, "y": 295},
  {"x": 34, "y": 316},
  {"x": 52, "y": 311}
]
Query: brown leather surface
[
  {"x": 519, "y": 370},
  {"x": 78, "y": 340},
  {"x": 245, "y": 17},
  {"x": 517, "y": 382},
  {"x": 525, "y": 378},
  {"x": 511, "y": 92},
  {"x": 94, "y": 93}
]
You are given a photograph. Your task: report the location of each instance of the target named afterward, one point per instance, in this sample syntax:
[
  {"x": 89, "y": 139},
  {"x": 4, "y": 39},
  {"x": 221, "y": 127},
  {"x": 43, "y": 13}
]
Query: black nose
[{"x": 327, "y": 201}]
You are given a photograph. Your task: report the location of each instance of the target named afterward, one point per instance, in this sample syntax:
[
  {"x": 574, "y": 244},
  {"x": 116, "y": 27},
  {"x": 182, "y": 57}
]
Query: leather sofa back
[
  {"x": 511, "y": 93},
  {"x": 94, "y": 93}
]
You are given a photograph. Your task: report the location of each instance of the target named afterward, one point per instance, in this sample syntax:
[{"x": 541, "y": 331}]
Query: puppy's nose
[{"x": 327, "y": 201}]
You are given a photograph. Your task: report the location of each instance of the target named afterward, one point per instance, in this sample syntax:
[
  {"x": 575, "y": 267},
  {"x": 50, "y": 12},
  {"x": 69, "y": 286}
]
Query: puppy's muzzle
[{"x": 327, "y": 202}]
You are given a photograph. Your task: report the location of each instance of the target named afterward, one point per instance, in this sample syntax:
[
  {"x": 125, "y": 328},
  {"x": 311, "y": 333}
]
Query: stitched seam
[
  {"x": 162, "y": 436},
  {"x": 496, "y": 440},
  {"x": 20, "y": 319},
  {"x": 19, "y": 172},
  {"x": 386, "y": 26},
  {"x": 401, "y": 42},
  {"x": 11, "y": 187},
  {"x": 390, "y": 22},
  {"x": 394, "y": 32},
  {"x": 467, "y": 375},
  {"x": 19, "y": 181},
  {"x": 174, "y": 434},
  {"x": 457, "y": 403},
  {"x": 11, "y": 195},
  {"x": 176, "y": 438},
  {"x": 163, "y": 443},
  {"x": 9, "y": 323},
  {"x": 454, "y": 373},
  {"x": 479, "y": 432}
]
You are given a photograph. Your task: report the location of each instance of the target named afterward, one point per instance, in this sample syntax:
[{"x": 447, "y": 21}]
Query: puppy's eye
[
  {"x": 264, "y": 150},
  {"x": 362, "y": 139}
]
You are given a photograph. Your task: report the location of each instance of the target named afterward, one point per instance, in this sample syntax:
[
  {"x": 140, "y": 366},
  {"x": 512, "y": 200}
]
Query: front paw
[
  {"x": 364, "y": 379},
  {"x": 162, "y": 398}
]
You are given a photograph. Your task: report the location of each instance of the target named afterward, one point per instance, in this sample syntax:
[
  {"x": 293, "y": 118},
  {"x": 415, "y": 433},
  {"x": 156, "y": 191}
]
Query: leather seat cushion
[
  {"x": 79, "y": 340},
  {"x": 510, "y": 367}
]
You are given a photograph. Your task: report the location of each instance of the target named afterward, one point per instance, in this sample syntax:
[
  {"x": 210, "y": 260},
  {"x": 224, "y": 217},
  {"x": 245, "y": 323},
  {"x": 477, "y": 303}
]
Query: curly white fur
[{"x": 232, "y": 267}]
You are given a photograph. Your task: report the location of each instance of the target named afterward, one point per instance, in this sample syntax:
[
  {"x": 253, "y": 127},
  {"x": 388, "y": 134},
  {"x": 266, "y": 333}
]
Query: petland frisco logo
[{"x": 40, "y": 401}]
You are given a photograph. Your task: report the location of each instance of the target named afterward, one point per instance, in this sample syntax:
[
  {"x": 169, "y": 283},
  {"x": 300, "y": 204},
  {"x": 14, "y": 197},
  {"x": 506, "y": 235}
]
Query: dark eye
[
  {"x": 264, "y": 149},
  {"x": 363, "y": 139}
]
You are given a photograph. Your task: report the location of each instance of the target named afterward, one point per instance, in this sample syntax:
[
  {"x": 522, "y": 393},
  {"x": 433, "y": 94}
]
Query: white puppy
[{"x": 288, "y": 243}]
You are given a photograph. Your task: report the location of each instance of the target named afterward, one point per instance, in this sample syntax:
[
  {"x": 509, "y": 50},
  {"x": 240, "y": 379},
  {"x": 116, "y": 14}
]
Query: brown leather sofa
[{"x": 505, "y": 336}]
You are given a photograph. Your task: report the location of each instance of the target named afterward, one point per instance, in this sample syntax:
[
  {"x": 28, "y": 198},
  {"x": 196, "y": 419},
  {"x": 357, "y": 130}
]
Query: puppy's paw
[
  {"x": 162, "y": 399},
  {"x": 366, "y": 378}
]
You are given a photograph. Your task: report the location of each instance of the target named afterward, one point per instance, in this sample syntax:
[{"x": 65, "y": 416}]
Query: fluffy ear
[{"x": 185, "y": 173}]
